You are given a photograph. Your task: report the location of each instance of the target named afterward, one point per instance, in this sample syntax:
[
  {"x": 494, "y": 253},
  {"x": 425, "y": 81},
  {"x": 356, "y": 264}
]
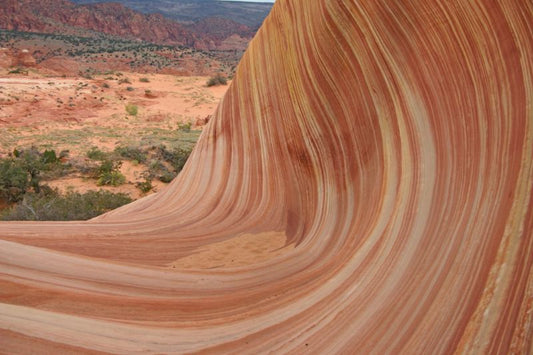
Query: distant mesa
[
  {"x": 66, "y": 17},
  {"x": 250, "y": 14}
]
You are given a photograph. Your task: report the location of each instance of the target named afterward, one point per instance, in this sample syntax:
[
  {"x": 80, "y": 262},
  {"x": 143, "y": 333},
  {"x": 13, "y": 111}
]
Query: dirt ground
[{"x": 76, "y": 114}]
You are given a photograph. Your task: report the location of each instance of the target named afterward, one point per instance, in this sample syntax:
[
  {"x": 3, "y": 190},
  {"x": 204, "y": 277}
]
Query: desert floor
[{"x": 76, "y": 114}]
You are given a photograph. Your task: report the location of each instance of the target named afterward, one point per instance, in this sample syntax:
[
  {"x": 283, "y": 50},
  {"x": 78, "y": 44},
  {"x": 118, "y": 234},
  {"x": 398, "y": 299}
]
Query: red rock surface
[
  {"x": 16, "y": 58},
  {"x": 222, "y": 34},
  {"x": 63, "y": 16},
  {"x": 6, "y": 58},
  {"x": 387, "y": 144},
  {"x": 25, "y": 59}
]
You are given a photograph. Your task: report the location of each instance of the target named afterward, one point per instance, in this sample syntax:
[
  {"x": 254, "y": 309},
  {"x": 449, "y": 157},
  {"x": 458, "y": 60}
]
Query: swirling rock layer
[{"x": 366, "y": 184}]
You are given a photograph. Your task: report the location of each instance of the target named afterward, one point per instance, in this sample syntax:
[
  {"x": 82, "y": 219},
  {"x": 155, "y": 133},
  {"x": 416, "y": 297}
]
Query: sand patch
[{"x": 243, "y": 250}]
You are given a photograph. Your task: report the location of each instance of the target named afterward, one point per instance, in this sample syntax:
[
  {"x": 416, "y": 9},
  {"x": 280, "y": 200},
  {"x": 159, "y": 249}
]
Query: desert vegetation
[
  {"x": 217, "y": 79},
  {"x": 25, "y": 174},
  {"x": 132, "y": 109},
  {"x": 50, "y": 205},
  {"x": 23, "y": 170},
  {"x": 22, "y": 187},
  {"x": 62, "y": 138}
]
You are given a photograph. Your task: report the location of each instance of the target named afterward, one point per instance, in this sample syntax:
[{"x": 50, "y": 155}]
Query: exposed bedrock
[{"x": 364, "y": 185}]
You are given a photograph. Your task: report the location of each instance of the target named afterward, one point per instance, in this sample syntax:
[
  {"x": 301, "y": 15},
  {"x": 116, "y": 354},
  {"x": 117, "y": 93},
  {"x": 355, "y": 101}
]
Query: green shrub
[
  {"x": 107, "y": 166},
  {"x": 131, "y": 153},
  {"x": 132, "y": 110},
  {"x": 49, "y": 157},
  {"x": 166, "y": 176},
  {"x": 124, "y": 81},
  {"x": 218, "y": 79},
  {"x": 158, "y": 170},
  {"x": 18, "y": 71},
  {"x": 112, "y": 178},
  {"x": 49, "y": 205},
  {"x": 177, "y": 157},
  {"x": 51, "y": 165},
  {"x": 185, "y": 127},
  {"x": 96, "y": 154},
  {"x": 129, "y": 88},
  {"x": 14, "y": 180},
  {"x": 23, "y": 171},
  {"x": 145, "y": 186},
  {"x": 108, "y": 173},
  {"x": 144, "y": 80}
]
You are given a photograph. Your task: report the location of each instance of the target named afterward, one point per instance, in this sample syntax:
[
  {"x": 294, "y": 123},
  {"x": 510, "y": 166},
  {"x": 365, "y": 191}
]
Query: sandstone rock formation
[
  {"x": 16, "y": 58},
  {"x": 365, "y": 185},
  {"x": 63, "y": 16},
  {"x": 202, "y": 121},
  {"x": 25, "y": 59},
  {"x": 222, "y": 34},
  {"x": 6, "y": 58}
]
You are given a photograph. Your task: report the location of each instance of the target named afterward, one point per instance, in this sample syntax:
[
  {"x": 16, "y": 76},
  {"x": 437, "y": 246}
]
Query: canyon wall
[{"x": 364, "y": 186}]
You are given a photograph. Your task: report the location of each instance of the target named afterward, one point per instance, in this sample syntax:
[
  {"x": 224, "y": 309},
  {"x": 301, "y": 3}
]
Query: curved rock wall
[{"x": 365, "y": 185}]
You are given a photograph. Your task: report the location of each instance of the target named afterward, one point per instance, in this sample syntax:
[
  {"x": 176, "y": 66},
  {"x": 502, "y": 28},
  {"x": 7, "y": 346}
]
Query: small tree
[{"x": 14, "y": 180}]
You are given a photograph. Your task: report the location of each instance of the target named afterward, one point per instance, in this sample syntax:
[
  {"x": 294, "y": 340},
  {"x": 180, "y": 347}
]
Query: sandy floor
[
  {"x": 243, "y": 250},
  {"x": 76, "y": 114},
  {"x": 165, "y": 99}
]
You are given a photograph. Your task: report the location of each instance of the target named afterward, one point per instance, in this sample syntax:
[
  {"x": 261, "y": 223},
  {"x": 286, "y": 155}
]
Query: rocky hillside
[
  {"x": 251, "y": 14},
  {"x": 63, "y": 16}
]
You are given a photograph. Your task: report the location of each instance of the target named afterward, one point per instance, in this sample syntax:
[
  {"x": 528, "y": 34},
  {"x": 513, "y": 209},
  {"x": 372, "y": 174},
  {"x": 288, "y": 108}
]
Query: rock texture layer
[{"x": 365, "y": 185}]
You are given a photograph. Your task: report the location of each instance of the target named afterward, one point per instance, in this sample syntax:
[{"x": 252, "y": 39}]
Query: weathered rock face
[
  {"x": 233, "y": 42},
  {"x": 22, "y": 58},
  {"x": 217, "y": 29},
  {"x": 23, "y": 15},
  {"x": 202, "y": 121},
  {"x": 112, "y": 18},
  {"x": 25, "y": 59},
  {"x": 365, "y": 186},
  {"x": 6, "y": 58}
]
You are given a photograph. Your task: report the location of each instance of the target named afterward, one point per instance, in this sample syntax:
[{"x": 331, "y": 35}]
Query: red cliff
[{"x": 62, "y": 16}]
